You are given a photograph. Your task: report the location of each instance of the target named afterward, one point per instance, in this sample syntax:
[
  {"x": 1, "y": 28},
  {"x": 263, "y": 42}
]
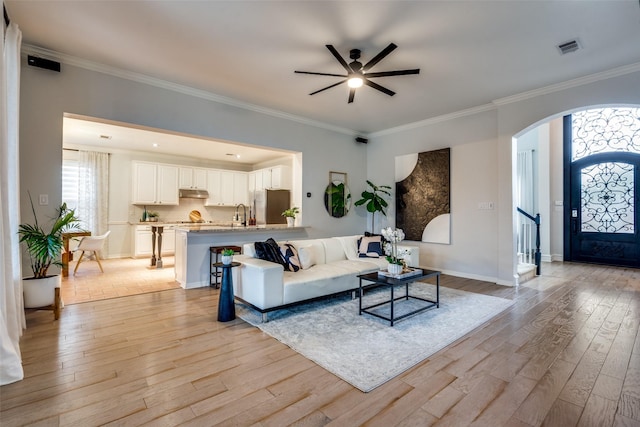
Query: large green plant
[
  {"x": 45, "y": 247},
  {"x": 374, "y": 200}
]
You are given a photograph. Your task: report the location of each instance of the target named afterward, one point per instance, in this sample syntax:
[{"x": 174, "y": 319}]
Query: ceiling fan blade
[
  {"x": 340, "y": 59},
  {"x": 393, "y": 73},
  {"x": 386, "y": 51},
  {"x": 378, "y": 87},
  {"x": 320, "y": 74},
  {"x": 352, "y": 94},
  {"x": 328, "y": 87}
]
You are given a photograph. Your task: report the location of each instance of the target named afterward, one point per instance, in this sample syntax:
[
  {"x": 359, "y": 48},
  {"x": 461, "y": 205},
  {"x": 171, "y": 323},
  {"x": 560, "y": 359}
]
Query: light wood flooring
[
  {"x": 566, "y": 353},
  {"x": 121, "y": 277}
]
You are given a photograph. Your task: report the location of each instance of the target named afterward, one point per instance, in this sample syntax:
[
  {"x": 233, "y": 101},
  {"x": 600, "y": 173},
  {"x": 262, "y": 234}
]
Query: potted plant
[
  {"x": 44, "y": 248},
  {"x": 153, "y": 216},
  {"x": 374, "y": 201},
  {"x": 290, "y": 214},
  {"x": 227, "y": 256},
  {"x": 394, "y": 257}
]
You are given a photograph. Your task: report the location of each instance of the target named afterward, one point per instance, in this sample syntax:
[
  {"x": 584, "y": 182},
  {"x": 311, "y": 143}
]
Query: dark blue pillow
[{"x": 269, "y": 251}]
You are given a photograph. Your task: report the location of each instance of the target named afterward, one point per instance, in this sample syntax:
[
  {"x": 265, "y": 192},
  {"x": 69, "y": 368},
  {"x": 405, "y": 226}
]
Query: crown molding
[
  {"x": 580, "y": 81},
  {"x": 434, "y": 120},
  {"x": 28, "y": 49}
]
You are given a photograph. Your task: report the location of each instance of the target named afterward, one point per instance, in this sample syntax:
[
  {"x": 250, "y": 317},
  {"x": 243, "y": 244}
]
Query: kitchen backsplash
[{"x": 181, "y": 212}]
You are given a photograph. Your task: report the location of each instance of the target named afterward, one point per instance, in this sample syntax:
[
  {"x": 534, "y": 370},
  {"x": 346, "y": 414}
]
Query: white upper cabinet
[
  {"x": 274, "y": 178},
  {"x": 154, "y": 184},
  {"x": 226, "y": 188},
  {"x": 195, "y": 178}
]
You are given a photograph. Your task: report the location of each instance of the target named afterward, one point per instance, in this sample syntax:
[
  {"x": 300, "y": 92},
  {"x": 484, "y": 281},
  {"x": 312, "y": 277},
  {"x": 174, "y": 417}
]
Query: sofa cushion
[
  {"x": 269, "y": 251},
  {"x": 333, "y": 250},
  {"x": 307, "y": 257},
  {"x": 290, "y": 256}
]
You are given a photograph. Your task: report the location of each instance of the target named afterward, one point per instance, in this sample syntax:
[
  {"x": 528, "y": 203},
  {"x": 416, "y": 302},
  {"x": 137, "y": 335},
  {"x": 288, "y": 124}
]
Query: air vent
[{"x": 568, "y": 47}]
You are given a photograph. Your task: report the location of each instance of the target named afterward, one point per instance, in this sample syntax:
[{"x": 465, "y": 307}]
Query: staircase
[{"x": 528, "y": 255}]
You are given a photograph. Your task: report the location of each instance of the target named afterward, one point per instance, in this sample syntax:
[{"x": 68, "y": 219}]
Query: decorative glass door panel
[{"x": 607, "y": 192}]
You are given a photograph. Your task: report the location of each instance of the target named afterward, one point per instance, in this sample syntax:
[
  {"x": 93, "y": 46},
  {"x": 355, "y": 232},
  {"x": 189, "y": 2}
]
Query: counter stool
[{"x": 216, "y": 272}]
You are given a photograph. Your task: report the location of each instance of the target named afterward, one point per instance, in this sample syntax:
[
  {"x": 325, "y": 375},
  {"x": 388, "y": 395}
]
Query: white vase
[
  {"x": 290, "y": 221},
  {"x": 394, "y": 268},
  {"x": 40, "y": 292},
  {"x": 227, "y": 259}
]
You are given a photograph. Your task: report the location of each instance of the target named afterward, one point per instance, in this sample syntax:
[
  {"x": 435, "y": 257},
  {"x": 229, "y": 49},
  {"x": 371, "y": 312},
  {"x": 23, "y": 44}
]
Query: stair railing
[{"x": 525, "y": 237}]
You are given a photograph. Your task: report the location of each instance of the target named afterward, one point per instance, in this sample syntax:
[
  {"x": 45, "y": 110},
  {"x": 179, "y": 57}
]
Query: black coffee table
[{"x": 375, "y": 279}]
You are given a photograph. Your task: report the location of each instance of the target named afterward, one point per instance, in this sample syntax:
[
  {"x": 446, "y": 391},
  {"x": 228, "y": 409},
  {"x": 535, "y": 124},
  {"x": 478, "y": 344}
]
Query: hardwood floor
[
  {"x": 566, "y": 353},
  {"x": 121, "y": 277}
]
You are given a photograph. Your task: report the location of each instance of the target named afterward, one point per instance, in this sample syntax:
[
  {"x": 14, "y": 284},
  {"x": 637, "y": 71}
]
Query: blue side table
[{"x": 226, "y": 306}]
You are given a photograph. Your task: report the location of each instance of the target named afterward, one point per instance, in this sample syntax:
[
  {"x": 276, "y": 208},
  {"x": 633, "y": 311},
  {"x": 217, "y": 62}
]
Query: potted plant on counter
[
  {"x": 290, "y": 214},
  {"x": 44, "y": 248}
]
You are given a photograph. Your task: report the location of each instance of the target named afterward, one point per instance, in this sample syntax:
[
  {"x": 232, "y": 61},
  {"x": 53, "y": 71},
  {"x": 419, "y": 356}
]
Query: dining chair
[{"x": 91, "y": 244}]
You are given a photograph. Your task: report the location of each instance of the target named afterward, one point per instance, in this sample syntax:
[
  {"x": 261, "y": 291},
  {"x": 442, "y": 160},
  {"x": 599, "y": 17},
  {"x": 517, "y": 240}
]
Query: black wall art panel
[{"x": 423, "y": 196}]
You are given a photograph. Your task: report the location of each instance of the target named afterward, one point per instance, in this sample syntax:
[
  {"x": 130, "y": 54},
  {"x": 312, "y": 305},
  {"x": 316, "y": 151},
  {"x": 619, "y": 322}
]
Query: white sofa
[{"x": 266, "y": 286}]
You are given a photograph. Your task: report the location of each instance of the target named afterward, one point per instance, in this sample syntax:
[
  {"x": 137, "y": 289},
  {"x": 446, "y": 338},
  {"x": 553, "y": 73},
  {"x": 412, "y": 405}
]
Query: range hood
[{"x": 191, "y": 193}]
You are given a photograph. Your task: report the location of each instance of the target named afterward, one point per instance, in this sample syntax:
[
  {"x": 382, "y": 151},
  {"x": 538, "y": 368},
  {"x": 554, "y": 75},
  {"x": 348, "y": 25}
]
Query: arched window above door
[{"x": 605, "y": 130}]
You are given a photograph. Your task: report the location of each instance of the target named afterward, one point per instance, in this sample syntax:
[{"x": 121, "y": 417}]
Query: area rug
[{"x": 364, "y": 350}]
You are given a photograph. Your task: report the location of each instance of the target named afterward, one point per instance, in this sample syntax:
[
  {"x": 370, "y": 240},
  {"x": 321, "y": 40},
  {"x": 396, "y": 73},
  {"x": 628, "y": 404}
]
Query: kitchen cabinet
[
  {"x": 226, "y": 188},
  {"x": 194, "y": 178},
  {"x": 142, "y": 245},
  {"x": 154, "y": 184},
  {"x": 274, "y": 178}
]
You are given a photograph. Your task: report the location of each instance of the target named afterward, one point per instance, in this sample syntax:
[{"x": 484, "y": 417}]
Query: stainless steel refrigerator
[{"x": 269, "y": 205}]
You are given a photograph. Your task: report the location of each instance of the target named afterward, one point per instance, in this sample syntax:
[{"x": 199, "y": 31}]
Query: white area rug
[{"x": 364, "y": 350}]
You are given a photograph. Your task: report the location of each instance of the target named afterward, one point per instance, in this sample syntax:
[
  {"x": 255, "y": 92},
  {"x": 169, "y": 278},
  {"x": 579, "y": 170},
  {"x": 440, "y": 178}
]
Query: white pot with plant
[
  {"x": 227, "y": 256},
  {"x": 394, "y": 257},
  {"x": 44, "y": 248},
  {"x": 290, "y": 215}
]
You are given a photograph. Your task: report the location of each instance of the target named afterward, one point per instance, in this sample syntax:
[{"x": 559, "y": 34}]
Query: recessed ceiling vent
[{"x": 568, "y": 47}]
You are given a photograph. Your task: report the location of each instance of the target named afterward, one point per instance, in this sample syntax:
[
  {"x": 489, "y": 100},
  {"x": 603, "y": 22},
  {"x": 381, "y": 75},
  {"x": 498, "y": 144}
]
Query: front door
[{"x": 603, "y": 169}]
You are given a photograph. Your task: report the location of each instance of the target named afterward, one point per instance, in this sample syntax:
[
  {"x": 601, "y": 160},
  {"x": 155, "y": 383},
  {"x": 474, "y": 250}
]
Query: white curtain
[
  {"x": 12, "y": 320},
  {"x": 93, "y": 191},
  {"x": 525, "y": 181}
]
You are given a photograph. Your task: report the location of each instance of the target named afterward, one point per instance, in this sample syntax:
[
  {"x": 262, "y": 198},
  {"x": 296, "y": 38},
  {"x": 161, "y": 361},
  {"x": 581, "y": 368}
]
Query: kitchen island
[{"x": 192, "y": 269}]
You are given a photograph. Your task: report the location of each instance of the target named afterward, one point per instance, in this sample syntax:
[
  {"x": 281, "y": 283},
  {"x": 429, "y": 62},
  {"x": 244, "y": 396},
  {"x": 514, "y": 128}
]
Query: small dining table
[{"x": 67, "y": 256}]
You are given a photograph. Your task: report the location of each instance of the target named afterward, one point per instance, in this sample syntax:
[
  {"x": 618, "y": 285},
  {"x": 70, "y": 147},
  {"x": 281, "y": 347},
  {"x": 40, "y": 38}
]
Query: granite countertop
[{"x": 212, "y": 228}]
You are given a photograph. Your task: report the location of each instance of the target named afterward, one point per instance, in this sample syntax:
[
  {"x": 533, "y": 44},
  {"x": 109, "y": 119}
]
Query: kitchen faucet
[{"x": 244, "y": 215}]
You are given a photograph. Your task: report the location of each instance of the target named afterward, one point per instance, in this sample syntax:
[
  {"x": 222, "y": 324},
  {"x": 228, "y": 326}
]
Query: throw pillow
[
  {"x": 269, "y": 251},
  {"x": 370, "y": 247},
  {"x": 307, "y": 257},
  {"x": 290, "y": 256}
]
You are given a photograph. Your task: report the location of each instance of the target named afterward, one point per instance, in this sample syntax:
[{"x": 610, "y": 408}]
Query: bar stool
[{"x": 216, "y": 272}]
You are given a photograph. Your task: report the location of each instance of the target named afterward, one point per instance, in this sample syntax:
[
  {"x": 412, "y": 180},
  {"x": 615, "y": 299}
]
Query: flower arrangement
[{"x": 392, "y": 238}]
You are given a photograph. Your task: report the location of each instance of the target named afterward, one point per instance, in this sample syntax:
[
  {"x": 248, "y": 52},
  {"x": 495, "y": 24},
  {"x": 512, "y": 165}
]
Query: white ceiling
[
  {"x": 470, "y": 52},
  {"x": 102, "y": 135}
]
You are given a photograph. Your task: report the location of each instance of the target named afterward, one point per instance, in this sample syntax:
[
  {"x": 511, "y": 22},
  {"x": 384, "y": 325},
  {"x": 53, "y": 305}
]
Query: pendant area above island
[{"x": 192, "y": 269}]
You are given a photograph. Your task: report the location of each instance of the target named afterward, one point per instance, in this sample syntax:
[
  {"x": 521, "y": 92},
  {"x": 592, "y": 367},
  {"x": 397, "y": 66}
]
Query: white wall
[
  {"x": 482, "y": 242},
  {"x": 47, "y": 95}
]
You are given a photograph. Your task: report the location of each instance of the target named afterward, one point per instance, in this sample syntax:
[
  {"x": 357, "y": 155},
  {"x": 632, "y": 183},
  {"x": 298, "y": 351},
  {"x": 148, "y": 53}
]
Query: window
[{"x": 70, "y": 179}]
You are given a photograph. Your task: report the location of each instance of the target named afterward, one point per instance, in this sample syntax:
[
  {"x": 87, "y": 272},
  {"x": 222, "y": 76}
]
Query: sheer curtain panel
[
  {"x": 12, "y": 320},
  {"x": 93, "y": 191}
]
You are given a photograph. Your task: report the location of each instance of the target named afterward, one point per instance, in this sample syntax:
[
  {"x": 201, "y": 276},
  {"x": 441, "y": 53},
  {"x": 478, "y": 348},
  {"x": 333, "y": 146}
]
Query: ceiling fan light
[{"x": 355, "y": 82}]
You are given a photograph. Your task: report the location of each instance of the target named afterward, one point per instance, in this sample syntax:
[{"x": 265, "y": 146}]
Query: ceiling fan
[{"x": 358, "y": 74}]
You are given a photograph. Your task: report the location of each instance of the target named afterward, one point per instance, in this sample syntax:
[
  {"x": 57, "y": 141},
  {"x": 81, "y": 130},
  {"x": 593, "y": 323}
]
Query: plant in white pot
[
  {"x": 227, "y": 256},
  {"x": 44, "y": 248},
  {"x": 290, "y": 214}
]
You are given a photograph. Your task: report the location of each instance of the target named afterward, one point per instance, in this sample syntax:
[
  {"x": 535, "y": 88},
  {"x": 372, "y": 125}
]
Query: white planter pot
[
  {"x": 40, "y": 292},
  {"x": 394, "y": 268},
  {"x": 290, "y": 221},
  {"x": 227, "y": 259}
]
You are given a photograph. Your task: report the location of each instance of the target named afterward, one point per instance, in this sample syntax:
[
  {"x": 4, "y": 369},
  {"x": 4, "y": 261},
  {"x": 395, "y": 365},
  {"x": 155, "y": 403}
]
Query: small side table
[{"x": 226, "y": 306}]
